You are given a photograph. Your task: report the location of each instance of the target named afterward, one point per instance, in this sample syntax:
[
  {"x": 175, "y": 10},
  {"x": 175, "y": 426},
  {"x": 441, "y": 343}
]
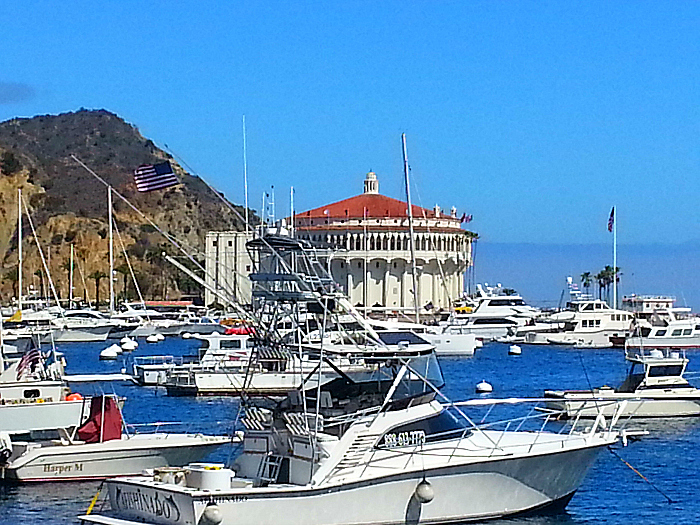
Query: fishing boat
[
  {"x": 217, "y": 351},
  {"x": 654, "y": 387},
  {"x": 420, "y": 457}
]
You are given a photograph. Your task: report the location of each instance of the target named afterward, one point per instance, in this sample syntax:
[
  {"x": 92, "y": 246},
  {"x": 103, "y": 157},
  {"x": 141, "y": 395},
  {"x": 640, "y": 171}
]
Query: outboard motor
[{"x": 5, "y": 447}]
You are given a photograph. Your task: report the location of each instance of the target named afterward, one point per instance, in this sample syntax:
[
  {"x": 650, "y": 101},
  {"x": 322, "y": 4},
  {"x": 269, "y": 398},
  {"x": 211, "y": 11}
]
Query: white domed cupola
[{"x": 371, "y": 183}]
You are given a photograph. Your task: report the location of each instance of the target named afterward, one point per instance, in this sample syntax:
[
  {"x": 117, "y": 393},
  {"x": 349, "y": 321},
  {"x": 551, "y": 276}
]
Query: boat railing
[
  {"x": 640, "y": 353},
  {"x": 173, "y": 427}
]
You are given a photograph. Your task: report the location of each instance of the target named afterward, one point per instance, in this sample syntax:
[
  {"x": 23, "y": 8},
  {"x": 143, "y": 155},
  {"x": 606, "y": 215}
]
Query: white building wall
[{"x": 228, "y": 265}]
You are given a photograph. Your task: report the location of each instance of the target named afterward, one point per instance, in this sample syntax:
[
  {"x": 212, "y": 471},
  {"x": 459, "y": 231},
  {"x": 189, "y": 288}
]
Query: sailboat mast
[
  {"x": 416, "y": 299},
  {"x": 70, "y": 280},
  {"x": 111, "y": 252},
  {"x": 19, "y": 248}
]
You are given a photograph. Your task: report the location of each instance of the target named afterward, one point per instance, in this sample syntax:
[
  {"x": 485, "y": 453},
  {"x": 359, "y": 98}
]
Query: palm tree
[
  {"x": 586, "y": 281},
  {"x": 40, "y": 274},
  {"x": 97, "y": 275},
  {"x": 124, "y": 270},
  {"x": 13, "y": 276}
]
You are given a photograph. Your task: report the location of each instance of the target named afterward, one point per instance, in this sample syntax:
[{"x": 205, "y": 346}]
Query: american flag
[
  {"x": 149, "y": 177},
  {"x": 28, "y": 362},
  {"x": 611, "y": 220}
]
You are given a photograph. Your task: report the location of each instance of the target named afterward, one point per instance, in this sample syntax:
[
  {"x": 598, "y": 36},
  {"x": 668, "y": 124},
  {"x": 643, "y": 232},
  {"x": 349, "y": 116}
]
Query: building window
[
  {"x": 247, "y": 267},
  {"x": 230, "y": 243},
  {"x": 377, "y": 264},
  {"x": 213, "y": 243}
]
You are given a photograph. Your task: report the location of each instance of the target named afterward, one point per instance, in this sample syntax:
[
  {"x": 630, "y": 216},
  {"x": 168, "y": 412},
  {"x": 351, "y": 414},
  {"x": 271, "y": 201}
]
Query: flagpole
[
  {"x": 245, "y": 175},
  {"x": 614, "y": 260}
]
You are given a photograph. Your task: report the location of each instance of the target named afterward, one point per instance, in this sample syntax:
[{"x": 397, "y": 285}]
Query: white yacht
[
  {"x": 491, "y": 314},
  {"x": 409, "y": 459},
  {"x": 654, "y": 387},
  {"x": 590, "y": 323},
  {"x": 445, "y": 343},
  {"x": 666, "y": 328}
]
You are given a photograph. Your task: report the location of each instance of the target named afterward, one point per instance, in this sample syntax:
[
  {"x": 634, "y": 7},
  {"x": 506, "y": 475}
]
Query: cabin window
[
  {"x": 236, "y": 343},
  {"x": 597, "y": 322},
  {"x": 669, "y": 370},
  {"x": 588, "y": 307},
  {"x": 659, "y": 333},
  {"x": 687, "y": 331},
  {"x": 584, "y": 324},
  {"x": 697, "y": 326},
  {"x": 677, "y": 332},
  {"x": 32, "y": 393}
]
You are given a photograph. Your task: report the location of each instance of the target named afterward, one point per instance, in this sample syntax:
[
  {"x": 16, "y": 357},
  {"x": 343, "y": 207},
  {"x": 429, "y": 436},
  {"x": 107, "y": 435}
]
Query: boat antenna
[{"x": 416, "y": 299}]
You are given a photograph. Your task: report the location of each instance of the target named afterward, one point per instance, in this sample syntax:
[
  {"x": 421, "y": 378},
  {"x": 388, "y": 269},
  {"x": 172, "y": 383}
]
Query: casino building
[{"x": 372, "y": 262}]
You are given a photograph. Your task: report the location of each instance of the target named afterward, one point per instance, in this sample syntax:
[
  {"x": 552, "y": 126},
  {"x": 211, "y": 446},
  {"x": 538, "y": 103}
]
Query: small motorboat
[
  {"x": 99, "y": 449},
  {"x": 654, "y": 387}
]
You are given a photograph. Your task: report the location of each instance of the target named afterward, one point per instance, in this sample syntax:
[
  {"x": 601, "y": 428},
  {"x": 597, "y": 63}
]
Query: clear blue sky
[{"x": 535, "y": 117}]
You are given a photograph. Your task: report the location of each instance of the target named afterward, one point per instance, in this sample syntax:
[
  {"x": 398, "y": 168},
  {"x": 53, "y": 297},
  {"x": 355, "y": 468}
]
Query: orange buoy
[{"x": 74, "y": 397}]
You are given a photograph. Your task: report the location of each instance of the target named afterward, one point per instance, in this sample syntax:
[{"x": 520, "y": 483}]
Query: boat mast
[
  {"x": 416, "y": 299},
  {"x": 245, "y": 176},
  {"x": 70, "y": 280},
  {"x": 19, "y": 248},
  {"x": 111, "y": 252}
]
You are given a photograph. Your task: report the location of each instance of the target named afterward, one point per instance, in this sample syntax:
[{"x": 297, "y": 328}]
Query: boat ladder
[
  {"x": 269, "y": 469},
  {"x": 355, "y": 453}
]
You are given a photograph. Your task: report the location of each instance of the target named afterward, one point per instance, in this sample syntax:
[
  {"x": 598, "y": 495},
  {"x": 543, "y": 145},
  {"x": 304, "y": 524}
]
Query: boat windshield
[{"x": 422, "y": 376}]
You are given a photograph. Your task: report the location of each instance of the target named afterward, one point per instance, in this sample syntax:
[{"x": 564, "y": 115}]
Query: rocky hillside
[{"x": 68, "y": 206}]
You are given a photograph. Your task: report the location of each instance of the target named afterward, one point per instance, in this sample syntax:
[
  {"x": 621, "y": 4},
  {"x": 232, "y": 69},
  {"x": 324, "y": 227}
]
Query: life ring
[{"x": 74, "y": 397}]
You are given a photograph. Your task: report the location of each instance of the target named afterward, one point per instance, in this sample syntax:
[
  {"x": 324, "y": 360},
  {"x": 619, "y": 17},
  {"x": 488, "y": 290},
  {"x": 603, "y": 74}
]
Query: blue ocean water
[{"x": 611, "y": 494}]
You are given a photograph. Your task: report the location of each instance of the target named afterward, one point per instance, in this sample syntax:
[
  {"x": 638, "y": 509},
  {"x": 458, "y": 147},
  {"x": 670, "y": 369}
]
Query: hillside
[{"x": 68, "y": 205}]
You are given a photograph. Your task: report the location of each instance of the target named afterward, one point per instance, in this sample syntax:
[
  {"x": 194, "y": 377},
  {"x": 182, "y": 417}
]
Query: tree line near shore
[{"x": 603, "y": 281}]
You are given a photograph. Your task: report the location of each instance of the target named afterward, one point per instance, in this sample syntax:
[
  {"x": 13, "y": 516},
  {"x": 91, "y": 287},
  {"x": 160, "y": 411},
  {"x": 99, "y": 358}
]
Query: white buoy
[
  {"x": 129, "y": 345},
  {"x": 484, "y": 388},
  {"x": 153, "y": 338},
  {"x": 515, "y": 350},
  {"x": 160, "y": 337},
  {"x": 110, "y": 353},
  {"x": 424, "y": 492},
  {"x": 124, "y": 339},
  {"x": 211, "y": 515},
  {"x": 186, "y": 335}
]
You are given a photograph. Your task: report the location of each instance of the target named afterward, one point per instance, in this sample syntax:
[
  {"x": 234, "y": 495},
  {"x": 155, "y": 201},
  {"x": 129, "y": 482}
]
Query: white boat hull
[
  {"x": 584, "y": 405},
  {"x": 232, "y": 383},
  {"x": 123, "y": 457},
  {"x": 26, "y": 417},
  {"x": 452, "y": 344},
  {"x": 81, "y": 335},
  {"x": 467, "y": 492},
  {"x": 692, "y": 341}
]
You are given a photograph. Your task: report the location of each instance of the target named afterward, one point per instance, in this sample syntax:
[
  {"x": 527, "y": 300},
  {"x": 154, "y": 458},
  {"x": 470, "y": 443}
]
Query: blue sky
[{"x": 535, "y": 117}]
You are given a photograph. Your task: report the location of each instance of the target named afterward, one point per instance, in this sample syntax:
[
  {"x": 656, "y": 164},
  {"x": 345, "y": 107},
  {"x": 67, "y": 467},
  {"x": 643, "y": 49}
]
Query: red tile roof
[{"x": 371, "y": 204}]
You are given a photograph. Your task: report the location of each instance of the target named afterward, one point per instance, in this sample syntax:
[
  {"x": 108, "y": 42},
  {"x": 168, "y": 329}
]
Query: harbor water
[{"x": 612, "y": 494}]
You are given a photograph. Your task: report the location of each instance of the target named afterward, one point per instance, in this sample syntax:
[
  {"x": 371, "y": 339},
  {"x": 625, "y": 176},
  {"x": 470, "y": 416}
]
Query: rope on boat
[
  {"x": 657, "y": 489},
  {"x": 94, "y": 499}
]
